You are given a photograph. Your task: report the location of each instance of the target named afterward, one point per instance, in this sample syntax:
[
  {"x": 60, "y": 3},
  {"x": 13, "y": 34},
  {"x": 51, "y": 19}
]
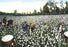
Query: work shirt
[
  {"x": 44, "y": 27},
  {"x": 31, "y": 26}
]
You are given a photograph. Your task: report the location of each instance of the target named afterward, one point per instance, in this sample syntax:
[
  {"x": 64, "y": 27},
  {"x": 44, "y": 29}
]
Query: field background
[{"x": 51, "y": 20}]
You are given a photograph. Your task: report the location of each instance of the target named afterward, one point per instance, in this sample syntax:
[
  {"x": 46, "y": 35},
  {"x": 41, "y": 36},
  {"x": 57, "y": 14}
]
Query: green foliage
[
  {"x": 66, "y": 8},
  {"x": 35, "y": 11},
  {"x": 15, "y": 12},
  {"x": 45, "y": 9}
]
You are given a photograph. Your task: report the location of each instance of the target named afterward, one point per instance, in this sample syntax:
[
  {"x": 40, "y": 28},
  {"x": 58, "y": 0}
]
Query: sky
[{"x": 23, "y": 5}]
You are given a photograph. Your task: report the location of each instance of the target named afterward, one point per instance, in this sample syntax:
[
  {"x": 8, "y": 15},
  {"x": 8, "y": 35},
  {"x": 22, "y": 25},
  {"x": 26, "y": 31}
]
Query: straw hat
[
  {"x": 61, "y": 22},
  {"x": 31, "y": 22}
]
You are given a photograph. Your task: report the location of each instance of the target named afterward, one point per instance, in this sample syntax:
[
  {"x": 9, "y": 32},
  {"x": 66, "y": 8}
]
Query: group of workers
[
  {"x": 44, "y": 27},
  {"x": 6, "y": 23},
  {"x": 31, "y": 26}
]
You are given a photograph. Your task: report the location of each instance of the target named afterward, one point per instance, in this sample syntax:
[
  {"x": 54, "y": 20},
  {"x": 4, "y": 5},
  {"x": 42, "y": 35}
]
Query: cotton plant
[{"x": 49, "y": 37}]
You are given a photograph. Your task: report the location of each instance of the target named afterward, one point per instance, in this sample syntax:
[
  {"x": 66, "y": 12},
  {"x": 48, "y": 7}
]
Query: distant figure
[
  {"x": 60, "y": 32},
  {"x": 4, "y": 21},
  {"x": 10, "y": 22},
  {"x": 44, "y": 27},
  {"x": 60, "y": 27},
  {"x": 24, "y": 26},
  {"x": 31, "y": 27}
]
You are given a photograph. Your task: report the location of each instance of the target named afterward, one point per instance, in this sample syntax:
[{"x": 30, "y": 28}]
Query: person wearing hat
[
  {"x": 60, "y": 32},
  {"x": 44, "y": 27},
  {"x": 24, "y": 26},
  {"x": 60, "y": 27},
  {"x": 31, "y": 27},
  {"x": 4, "y": 21}
]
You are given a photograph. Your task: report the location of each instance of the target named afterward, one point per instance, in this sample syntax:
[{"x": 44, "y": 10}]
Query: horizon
[{"x": 23, "y": 5}]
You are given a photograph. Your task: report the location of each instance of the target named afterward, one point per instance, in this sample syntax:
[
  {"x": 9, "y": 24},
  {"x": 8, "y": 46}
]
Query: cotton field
[{"x": 39, "y": 37}]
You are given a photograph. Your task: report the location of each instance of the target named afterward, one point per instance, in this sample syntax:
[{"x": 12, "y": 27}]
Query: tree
[
  {"x": 35, "y": 12},
  {"x": 45, "y": 9},
  {"x": 57, "y": 10},
  {"x": 41, "y": 10},
  {"x": 15, "y": 12},
  {"x": 66, "y": 8},
  {"x": 61, "y": 5}
]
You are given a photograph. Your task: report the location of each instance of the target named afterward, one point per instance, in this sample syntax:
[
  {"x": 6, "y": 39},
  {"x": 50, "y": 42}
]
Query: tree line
[{"x": 50, "y": 8}]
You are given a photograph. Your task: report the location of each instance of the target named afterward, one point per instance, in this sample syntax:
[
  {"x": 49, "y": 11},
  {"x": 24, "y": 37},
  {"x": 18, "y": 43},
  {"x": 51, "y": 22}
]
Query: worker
[
  {"x": 4, "y": 21},
  {"x": 60, "y": 27},
  {"x": 31, "y": 27},
  {"x": 44, "y": 27}
]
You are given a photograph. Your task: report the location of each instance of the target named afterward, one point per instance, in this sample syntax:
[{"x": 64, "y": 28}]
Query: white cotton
[
  {"x": 63, "y": 28},
  {"x": 12, "y": 43},
  {"x": 45, "y": 45},
  {"x": 7, "y": 38},
  {"x": 57, "y": 37},
  {"x": 66, "y": 34}
]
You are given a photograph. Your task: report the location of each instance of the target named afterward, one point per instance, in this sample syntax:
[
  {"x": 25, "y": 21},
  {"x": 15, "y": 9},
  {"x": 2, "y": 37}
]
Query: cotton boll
[
  {"x": 45, "y": 45},
  {"x": 63, "y": 28},
  {"x": 52, "y": 45},
  {"x": 52, "y": 34}
]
